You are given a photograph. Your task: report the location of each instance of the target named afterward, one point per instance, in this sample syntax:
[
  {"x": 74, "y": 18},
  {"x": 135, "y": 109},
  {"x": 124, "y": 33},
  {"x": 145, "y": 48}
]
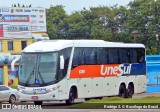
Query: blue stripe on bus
[{"x": 137, "y": 69}]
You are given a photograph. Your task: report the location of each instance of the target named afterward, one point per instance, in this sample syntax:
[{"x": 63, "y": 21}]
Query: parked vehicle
[{"x": 7, "y": 94}]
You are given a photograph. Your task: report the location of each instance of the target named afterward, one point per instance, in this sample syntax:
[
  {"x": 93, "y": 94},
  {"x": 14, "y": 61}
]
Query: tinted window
[
  {"x": 140, "y": 55},
  {"x": 133, "y": 55},
  {"x": 107, "y": 56},
  {"x": 113, "y": 56},
  {"x": 78, "y": 57},
  {"x": 123, "y": 55},
  {"x": 90, "y": 55},
  {"x": 102, "y": 56}
]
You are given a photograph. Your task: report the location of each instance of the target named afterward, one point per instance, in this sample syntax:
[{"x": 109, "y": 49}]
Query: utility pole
[{"x": 135, "y": 36}]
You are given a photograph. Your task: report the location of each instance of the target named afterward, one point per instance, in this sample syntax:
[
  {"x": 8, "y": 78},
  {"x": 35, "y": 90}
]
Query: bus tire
[
  {"x": 122, "y": 91},
  {"x": 130, "y": 91},
  {"x": 71, "y": 97},
  {"x": 38, "y": 102}
]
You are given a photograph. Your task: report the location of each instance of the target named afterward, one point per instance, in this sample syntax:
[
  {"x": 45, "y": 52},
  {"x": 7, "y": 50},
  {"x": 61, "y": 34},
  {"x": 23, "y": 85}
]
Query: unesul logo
[{"x": 115, "y": 70}]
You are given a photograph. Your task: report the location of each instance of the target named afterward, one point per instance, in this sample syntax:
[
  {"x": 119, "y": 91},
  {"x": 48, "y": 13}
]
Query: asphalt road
[
  {"x": 140, "y": 95},
  {"x": 56, "y": 106},
  {"x": 80, "y": 110}
]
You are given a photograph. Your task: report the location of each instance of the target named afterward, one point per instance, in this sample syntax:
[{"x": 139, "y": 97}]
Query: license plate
[{"x": 34, "y": 97}]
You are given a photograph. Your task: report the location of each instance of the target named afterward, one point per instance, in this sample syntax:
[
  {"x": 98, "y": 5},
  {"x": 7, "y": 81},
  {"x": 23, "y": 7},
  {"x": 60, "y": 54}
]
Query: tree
[
  {"x": 81, "y": 24},
  {"x": 138, "y": 20},
  {"x": 55, "y": 17},
  {"x": 144, "y": 18},
  {"x": 113, "y": 21}
]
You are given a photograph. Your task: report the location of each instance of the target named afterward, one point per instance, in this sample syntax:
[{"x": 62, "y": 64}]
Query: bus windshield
[{"x": 38, "y": 69}]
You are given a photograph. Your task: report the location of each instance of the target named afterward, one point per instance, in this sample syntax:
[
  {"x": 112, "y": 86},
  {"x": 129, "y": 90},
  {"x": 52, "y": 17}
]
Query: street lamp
[
  {"x": 158, "y": 37},
  {"x": 158, "y": 41}
]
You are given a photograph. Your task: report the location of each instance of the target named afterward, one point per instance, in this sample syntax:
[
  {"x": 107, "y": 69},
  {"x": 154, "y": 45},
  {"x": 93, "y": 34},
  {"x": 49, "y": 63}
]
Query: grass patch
[
  {"x": 96, "y": 103},
  {"x": 151, "y": 99}
]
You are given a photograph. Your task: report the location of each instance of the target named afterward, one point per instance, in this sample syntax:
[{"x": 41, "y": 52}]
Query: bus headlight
[
  {"x": 54, "y": 88},
  {"x": 50, "y": 90}
]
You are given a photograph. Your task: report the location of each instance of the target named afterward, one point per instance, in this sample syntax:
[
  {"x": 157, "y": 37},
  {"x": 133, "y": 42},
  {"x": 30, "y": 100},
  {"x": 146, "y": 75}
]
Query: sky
[{"x": 70, "y": 5}]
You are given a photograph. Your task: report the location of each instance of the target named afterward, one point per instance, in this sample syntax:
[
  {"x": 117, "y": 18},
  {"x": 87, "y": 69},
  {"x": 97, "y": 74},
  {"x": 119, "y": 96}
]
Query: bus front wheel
[{"x": 71, "y": 97}]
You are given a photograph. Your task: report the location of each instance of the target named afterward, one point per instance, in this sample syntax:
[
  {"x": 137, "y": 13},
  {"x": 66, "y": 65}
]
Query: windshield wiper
[
  {"x": 30, "y": 76},
  {"x": 40, "y": 75}
]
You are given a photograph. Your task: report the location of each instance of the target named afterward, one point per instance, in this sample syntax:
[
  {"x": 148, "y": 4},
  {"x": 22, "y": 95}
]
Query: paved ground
[
  {"x": 56, "y": 106},
  {"x": 145, "y": 95},
  {"x": 81, "y": 110}
]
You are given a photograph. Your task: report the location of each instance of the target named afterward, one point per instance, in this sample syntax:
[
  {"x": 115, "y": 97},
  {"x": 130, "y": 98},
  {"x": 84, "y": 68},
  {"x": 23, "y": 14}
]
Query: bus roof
[{"x": 55, "y": 45}]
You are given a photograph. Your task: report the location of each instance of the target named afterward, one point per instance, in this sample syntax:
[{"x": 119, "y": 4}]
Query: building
[
  {"x": 19, "y": 27},
  {"x": 10, "y": 48}
]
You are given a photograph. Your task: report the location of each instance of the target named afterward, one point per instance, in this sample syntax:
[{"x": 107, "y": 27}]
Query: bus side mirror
[
  {"x": 13, "y": 63},
  {"x": 61, "y": 62}
]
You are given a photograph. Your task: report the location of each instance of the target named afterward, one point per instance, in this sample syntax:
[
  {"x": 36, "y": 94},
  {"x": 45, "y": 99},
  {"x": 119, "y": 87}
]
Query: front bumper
[{"x": 39, "y": 97}]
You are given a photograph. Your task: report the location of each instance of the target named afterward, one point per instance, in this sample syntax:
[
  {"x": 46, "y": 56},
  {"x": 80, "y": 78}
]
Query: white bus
[{"x": 69, "y": 69}]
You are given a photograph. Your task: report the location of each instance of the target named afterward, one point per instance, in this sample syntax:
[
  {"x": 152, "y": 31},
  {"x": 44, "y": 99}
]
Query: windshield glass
[{"x": 38, "y": 69}]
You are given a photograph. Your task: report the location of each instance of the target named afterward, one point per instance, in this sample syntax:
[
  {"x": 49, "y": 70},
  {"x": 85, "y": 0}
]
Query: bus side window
[
  {"x": 113, "y": 55},
  {"x": 102, "y": 56},
  {"x": 140, "y": 55},
  {"x": 123, "y": 55},
  {"x": 90, "y": 55},
  {"x": 78, "y": 57},
  {"x": 133, "y": 55}
]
